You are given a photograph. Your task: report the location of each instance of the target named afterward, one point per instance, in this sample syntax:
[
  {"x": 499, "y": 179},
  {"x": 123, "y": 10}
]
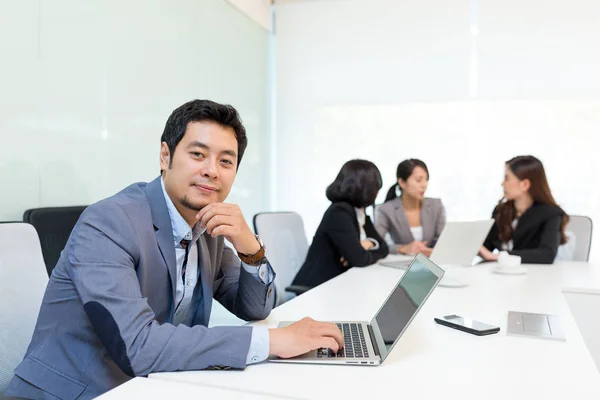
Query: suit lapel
[
  {"x": 426, "y": 220},
  {"x": 163, "y": 230},
  {"x": 520, "y": 230},
  {"x": 402, "y": 222},
  {"x": 531, "y": 222}
]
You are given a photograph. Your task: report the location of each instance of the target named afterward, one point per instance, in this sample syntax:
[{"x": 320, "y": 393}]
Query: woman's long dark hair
[
  {"x": 404, "y": 171},
  {"x": 527, "y": 167},
  {"x": 357, "y": 183}
]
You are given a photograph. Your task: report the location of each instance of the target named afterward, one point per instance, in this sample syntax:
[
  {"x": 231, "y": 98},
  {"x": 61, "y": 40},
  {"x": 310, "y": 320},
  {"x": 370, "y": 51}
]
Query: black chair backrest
[{"x": 54, "y": 226}]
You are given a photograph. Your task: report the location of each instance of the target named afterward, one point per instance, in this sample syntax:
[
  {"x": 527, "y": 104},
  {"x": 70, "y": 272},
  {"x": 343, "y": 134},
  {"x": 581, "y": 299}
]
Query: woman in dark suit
[
  {"x": 529, "y": 223},
  {"x": 346, "y": 236}
]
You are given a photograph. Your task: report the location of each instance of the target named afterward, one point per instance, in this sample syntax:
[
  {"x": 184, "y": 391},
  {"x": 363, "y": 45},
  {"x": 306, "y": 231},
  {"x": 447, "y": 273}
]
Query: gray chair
[
  {"x": 581, "y": 227},
  {"x": 54, "y": 226},
  {"x": 23, "y": 280},
  {"x": 286, "y": 247}
]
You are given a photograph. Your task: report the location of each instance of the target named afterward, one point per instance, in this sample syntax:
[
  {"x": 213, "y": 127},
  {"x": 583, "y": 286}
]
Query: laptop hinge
[{"x": 373, "y": 341}]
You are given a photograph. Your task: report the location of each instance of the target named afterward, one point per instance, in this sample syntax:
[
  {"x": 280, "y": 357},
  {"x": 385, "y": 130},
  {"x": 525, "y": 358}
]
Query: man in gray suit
[{"x": 132, "y": 291}]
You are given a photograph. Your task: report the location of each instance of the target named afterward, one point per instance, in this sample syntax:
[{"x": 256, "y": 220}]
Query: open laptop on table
[
  {"x": 458, "y": 244},
  {"x": 369, "y": 343}
]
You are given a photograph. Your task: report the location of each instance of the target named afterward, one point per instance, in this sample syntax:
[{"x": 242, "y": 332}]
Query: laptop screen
[{"x": 402, "y": 305}]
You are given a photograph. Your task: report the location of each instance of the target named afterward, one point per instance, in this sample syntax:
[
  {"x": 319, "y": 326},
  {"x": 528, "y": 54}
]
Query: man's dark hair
[
  {"x": 203, "y": 110},
  {"x": 357, "y": 183}
]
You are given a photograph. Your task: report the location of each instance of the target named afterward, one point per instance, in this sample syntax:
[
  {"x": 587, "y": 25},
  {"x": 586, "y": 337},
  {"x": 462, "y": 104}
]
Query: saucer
[
  {"x": 449, "y": 281},
  {"x": 520, "y": 270}
]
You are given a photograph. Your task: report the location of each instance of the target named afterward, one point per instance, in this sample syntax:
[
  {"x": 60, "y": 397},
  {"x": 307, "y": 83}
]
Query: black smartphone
[{"x": 467, "y": 325}]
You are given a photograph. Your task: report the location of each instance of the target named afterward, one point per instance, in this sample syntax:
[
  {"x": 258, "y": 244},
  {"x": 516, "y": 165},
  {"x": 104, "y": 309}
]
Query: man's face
[{"x": 202, "y": 168}]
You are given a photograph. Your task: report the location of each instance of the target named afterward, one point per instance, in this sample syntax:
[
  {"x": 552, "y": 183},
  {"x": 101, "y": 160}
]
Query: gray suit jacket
[
  {"x": 391, "y": 219},
  {"x": 106, "y": 313}
]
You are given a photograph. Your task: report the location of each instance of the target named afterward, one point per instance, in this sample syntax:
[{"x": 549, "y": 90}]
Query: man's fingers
[
  {"x": 214, "y": 208},
  {"x": 212, "y": 223},
  {"x": 223, "y": 230},
  {"x": 328, "y": 329},
  {"x": 204, "y": 210},
  {"x": 219, "y": 220},
  {"x": 206, "y": 214},
  {"x": 329, "y": 343}
]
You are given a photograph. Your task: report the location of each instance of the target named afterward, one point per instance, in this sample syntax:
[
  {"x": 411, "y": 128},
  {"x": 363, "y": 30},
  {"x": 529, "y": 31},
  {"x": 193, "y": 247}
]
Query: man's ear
[{"x": 165, "y": 156}]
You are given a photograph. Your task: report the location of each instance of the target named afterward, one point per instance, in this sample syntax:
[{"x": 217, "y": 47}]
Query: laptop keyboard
[{"x": 355, "y": 345}]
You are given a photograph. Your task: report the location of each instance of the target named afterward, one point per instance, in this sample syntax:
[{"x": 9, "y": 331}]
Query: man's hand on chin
[{"x": 227, "y": 220}]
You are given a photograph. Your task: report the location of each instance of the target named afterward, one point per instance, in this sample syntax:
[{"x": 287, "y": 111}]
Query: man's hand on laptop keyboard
[{"x": 304, "y": 336}]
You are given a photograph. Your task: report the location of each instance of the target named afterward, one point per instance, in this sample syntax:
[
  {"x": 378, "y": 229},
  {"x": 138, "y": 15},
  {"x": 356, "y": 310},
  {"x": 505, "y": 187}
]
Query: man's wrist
[
  {"x": 256, "y": 256},
  {"x": 273, "y": 335},
  {"x": 252, "y": 248}
]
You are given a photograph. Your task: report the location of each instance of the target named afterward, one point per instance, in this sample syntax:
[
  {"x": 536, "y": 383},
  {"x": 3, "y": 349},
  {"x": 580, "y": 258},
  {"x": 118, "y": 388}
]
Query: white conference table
[
  {"x": 581, "y": 289},
  {"x": 144, "y": 388},
  {"x": 432, "y": 361},
  {"x": 581, "y": 279}
]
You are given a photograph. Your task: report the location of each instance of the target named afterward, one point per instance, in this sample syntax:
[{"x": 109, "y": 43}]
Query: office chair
[
  {"x": 54, "y": 226},
  {"x": 23, "y": 281},
  {"x": 582, "y": 227},
  {"x": 286, "y": 245}
]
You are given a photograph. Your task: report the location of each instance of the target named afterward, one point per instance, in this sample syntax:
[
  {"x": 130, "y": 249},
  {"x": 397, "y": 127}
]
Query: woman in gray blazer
[{"x": 413, "y": 221}]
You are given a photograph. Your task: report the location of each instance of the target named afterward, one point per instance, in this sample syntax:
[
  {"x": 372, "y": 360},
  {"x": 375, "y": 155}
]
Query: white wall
[
  {"x": 87, "y": 86},
  {"x": 464, "y": 85}
]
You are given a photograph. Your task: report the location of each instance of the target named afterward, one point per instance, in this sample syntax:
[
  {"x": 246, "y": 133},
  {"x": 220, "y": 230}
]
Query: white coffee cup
[{"x": 508, "y": 261}]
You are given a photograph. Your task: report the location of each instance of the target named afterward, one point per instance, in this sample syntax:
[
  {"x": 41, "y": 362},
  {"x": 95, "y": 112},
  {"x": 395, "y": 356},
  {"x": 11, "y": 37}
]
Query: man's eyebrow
[{"x": 197, "y": 143}]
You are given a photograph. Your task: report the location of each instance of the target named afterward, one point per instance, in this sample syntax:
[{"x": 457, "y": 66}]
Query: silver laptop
[
  {"x": 458, "y": 244},
  {"x": 369, "y": 343}
]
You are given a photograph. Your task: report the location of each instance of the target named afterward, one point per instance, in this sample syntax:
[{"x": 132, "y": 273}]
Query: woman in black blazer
[
  {"x": 529, "y": 223},
  {"x": 341, "y": 241}
]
